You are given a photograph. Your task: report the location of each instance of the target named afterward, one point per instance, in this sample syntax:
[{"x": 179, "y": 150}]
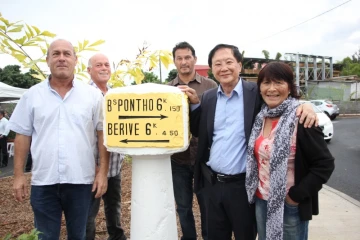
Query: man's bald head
[
  {"x": 95, "y": 57},
  {"x": 60, "y": 40},
  {"x": 99, "y": 68},
  {"x": 61, "y": 59}
]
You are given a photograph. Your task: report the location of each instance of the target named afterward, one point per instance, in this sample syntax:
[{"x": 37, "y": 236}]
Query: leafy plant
[
  {"x": 33, "y": 235},
  {"x": 32, "y": 37},
  {"x": 211, "y": 76},
  {"x": 266, "y": 54},
  {"x": 350, "y": 67},
  {"x": 146, "y": 61},
  {"x": 149, "y": 77},
  {"x": 172, "y": 74},
  {"x": 278, "y": 56},
  {"x": 12, "y": 76}
]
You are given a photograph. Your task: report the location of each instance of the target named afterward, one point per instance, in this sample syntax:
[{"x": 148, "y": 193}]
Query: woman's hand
[{"x": 289, "y": 201}]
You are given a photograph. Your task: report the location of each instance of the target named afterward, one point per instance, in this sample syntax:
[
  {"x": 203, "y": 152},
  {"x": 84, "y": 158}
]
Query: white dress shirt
[
  {"x": 63, "y": 132},
  {"x": 4, "y": 130}
]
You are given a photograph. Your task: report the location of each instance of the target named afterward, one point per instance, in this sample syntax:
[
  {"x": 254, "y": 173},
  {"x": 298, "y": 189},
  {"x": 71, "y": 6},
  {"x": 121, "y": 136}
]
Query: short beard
[{"x": 186, "y": 73}]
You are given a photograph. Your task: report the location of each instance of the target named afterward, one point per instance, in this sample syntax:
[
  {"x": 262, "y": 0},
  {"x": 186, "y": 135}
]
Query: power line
[{"x": 301, "y": 22}]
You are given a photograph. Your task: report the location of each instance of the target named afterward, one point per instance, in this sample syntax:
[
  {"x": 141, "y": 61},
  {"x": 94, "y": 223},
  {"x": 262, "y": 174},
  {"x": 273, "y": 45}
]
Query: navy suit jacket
[{"x": 202, "y": 123}]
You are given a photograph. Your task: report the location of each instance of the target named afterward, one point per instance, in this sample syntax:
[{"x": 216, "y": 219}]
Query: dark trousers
[
  {"x": 112, "y": 201},
  {"x": 229, "y": 212},
  {"x": 183, "y": 192},
  {"x": 48, "y": 202},
  {"x": 4, "y": 152}
]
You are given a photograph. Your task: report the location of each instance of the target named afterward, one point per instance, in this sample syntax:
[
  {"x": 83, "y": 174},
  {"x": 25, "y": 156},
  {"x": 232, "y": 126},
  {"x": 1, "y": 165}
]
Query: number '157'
[{"x": 175, "y": 108}]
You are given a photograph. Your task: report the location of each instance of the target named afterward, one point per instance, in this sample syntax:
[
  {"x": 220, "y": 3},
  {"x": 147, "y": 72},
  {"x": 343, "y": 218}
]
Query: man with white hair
[{"x": 100, "y": 73}]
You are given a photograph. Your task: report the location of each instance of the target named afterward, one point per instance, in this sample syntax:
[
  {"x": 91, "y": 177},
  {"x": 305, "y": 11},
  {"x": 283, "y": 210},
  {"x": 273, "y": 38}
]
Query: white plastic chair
[{"x": 10, "y": 149}]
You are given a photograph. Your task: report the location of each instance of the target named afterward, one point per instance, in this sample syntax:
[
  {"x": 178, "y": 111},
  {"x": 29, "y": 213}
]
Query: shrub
[{"x": 33, "y": 235}]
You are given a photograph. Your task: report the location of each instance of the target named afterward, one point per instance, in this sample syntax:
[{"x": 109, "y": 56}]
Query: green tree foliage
[
  {"x": 266, "y": 54},
  {"x": 211, "y": 76},
  {"x": 350, "y": 67},
  {"x": 145, "y": 61},
  {"x": 172, "y": 74},
  {"x": 278, "y": 56},
  {"x": 35, "y": 41},
  {"x": 31, "y": 37},
  {"x": 149, "y": 77},
  {"x": 12, "y": 76}
]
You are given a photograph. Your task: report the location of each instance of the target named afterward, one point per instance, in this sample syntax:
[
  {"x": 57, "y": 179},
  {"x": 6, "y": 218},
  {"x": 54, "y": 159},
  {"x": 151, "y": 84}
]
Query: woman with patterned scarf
[{"x": 286, "y": 163}]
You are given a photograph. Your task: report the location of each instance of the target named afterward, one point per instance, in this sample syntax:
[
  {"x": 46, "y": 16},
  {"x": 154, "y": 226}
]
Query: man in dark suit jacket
[{"x": 223, "y": 124}]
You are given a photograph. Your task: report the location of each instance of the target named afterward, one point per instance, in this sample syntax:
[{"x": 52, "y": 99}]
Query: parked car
[
  {"x": 324, "y": 123},
  {"x": 328, "y": 107}
]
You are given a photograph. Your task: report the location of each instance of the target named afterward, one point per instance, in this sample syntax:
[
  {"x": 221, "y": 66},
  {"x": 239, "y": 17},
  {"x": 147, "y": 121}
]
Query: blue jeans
[
  {"x": 183, "y": 192},
  {"x": 49, "y": 201},
  {"x": 294, "y": 228},
  {"x": 112, "y": 201}
]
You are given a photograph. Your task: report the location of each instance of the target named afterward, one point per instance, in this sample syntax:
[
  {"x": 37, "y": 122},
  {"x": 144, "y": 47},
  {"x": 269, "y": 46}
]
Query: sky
[{"x": 252, "y": 26}]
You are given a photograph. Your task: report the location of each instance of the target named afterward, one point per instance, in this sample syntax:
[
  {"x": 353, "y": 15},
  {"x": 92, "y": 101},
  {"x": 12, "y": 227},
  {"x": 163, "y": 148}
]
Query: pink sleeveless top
[{"x": 262, "y": 151}]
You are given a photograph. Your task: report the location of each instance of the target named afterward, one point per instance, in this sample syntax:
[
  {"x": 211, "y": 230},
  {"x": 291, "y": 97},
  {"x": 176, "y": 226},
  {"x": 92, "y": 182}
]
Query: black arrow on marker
[
  {"x": 154, "y": 141},
  {"x": 133, "y": 117}
]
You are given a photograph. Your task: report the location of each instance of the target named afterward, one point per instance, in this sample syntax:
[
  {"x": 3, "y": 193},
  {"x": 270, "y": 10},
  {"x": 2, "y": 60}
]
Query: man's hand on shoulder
[{"x": 307, "y": 115}]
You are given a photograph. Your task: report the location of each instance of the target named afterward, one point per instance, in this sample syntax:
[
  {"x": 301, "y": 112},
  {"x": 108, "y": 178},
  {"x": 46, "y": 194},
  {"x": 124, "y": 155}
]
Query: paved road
[{"x": 345, "y": 147}]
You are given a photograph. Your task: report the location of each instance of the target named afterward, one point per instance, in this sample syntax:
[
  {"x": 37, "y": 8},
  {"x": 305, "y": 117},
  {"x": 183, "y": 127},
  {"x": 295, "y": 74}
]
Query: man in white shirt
[
  {"x": 4, "y": 131},
  {"x": 100, "y": 72},
  {"x": 62, "y": 118}
]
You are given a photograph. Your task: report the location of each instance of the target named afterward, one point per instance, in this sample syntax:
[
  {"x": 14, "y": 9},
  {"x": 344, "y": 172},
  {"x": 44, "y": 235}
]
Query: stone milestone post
[{"x": 149, "y": 122}]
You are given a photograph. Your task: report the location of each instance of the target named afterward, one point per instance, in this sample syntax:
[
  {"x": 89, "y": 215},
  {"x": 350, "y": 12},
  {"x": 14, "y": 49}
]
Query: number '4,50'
[{"x": 171, "y": 133}]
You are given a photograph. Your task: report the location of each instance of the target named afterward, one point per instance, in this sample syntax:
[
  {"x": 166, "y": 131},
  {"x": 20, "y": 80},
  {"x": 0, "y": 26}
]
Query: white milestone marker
[{"x": 149, "y": 122}]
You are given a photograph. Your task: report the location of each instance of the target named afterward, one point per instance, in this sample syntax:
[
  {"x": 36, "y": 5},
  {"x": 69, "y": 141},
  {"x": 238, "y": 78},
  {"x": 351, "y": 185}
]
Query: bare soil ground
[{"x": 17, "y": 218}]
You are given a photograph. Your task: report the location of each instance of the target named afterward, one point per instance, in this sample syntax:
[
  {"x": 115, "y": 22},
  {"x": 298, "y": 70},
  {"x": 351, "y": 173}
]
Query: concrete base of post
[{"x": 153, "y": 215}]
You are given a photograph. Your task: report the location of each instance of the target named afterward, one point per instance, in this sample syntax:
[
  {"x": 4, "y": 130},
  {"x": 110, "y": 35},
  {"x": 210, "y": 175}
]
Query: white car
[
  {"x": 324, "y": 122},
  {"x": 328, "y": 107}
]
